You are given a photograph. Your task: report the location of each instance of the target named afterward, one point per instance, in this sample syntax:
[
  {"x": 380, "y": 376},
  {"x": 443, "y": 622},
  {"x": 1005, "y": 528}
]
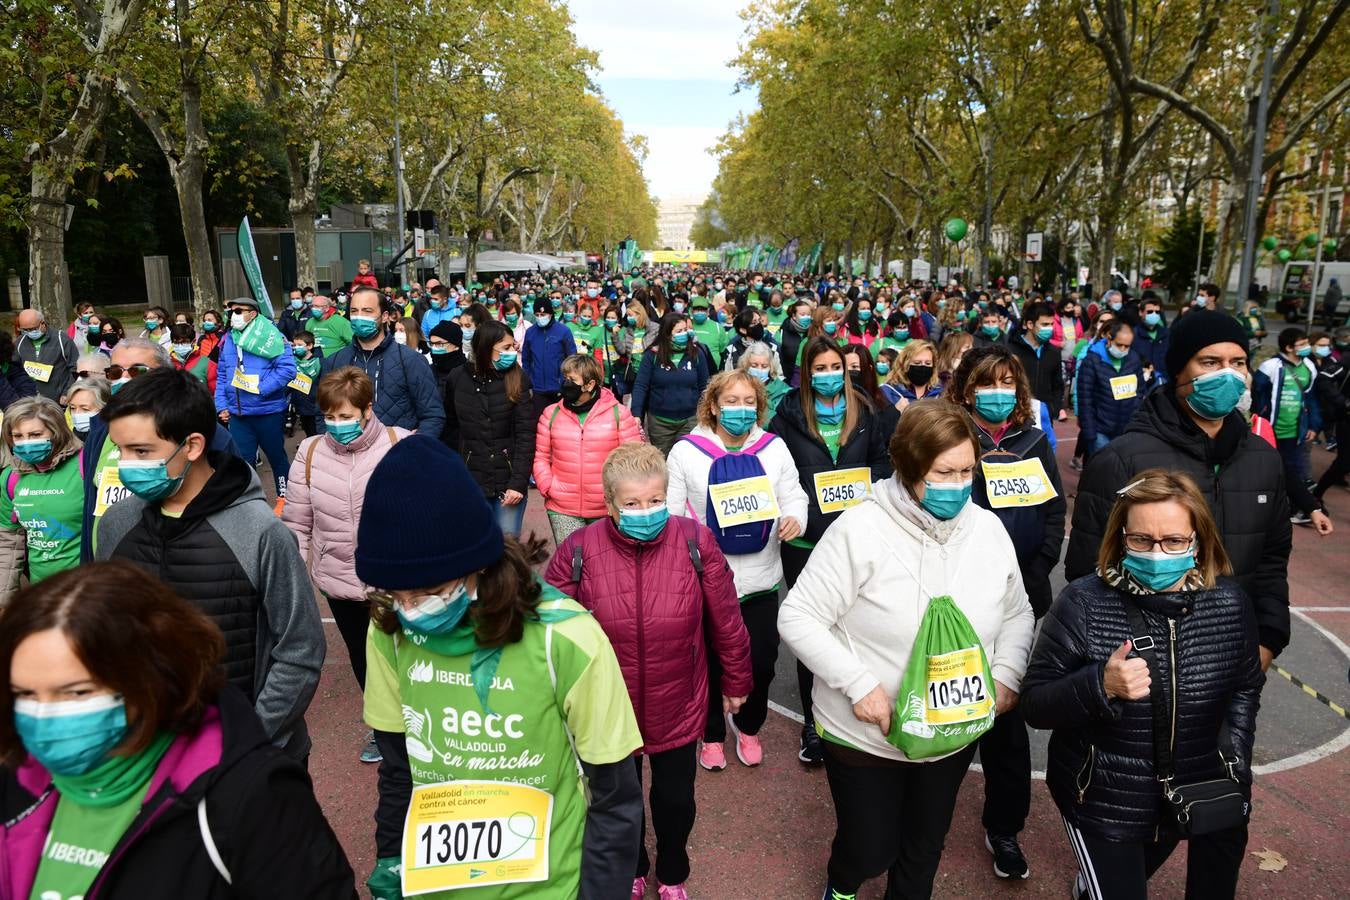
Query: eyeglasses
[
  {"x": 113, "y": 373},
  {"x": 87, "y": 373},
  {"x": 240, "y": 309},
  {"x": 1172, "y": 544}
]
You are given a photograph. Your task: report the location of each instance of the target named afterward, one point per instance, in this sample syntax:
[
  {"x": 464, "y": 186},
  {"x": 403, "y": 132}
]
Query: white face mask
[
  {"x": 1244, "y": 404},
  {"x": 237, "y": 321},
  {"x": 400, "y": 337}
]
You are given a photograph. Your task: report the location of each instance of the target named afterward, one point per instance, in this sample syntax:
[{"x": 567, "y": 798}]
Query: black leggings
[
  {"x": 890, "y": 817},
  {"x": 760, "y": 613},
  {"x": 673, "y": 810},
  {"x": 1340, "y": 466},
  {"x": 353, "y": 619},
  {"x": 1120, "y": 871}
]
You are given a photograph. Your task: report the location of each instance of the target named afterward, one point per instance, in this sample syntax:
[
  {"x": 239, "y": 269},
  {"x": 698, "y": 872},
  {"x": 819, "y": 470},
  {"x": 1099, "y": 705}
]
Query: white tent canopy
[{"x": 505, "y": 261}]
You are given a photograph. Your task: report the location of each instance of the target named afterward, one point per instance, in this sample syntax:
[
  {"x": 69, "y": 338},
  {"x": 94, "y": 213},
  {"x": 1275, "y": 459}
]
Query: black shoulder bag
[{"x": 1201, "y": 807}]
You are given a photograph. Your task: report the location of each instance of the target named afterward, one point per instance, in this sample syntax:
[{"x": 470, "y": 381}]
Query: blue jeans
[
  {"x": 509, "y": 518},
  {"x": 252, "y": 432},
  {"x": 1295, "y": 459}
]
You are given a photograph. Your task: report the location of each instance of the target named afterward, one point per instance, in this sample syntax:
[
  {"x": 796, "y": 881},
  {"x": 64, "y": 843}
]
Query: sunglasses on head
[
  {"x": 88, "y": 373},
  {"x": 114, "y": 373}
]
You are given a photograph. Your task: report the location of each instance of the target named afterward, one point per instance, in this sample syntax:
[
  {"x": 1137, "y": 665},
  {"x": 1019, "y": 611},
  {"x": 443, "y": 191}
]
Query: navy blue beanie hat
[{"x": 424, "y": 520}]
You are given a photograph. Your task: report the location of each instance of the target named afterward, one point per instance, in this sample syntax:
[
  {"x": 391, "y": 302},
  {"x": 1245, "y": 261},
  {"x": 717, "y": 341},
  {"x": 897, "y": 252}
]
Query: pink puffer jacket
[
  {"x": 652, "y": 604},
  {"x": 569, "y": 456},
  {"x": 324, "y": 508}
]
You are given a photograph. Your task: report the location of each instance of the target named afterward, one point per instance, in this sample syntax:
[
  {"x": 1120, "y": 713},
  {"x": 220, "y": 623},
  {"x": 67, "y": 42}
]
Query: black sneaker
[
  {"x": 813, "y": 747},
  {"x": 1008, "y": 859}
]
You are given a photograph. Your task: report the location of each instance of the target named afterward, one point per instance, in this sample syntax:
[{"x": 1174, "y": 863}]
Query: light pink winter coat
[
  {"x": 324, "y": 509},
  {"x": 569, "y": 456}
]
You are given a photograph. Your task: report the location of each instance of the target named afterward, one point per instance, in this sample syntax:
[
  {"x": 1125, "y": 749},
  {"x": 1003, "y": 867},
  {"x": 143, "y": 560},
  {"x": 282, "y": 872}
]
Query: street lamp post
[{"x": 1258, "y": 152}]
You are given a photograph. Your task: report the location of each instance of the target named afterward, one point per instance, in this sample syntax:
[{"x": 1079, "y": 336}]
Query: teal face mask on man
[
  {"x": 1216, "y": 394},
  {"x": 364, "y": 326},
  {"x": 149, "y": 479}
]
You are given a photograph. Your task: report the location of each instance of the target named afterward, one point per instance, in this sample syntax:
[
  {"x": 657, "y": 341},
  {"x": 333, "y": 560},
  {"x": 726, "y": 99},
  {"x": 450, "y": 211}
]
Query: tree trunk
[
  {"x": 848, "y": 257},
  {"x": 46, "y": 247},
  {"x": 471, "y": 254},
  {"x": 1229, "y": 224},
  {"x": 187, "y": 181},
  {"x": 303, "y": 206}
]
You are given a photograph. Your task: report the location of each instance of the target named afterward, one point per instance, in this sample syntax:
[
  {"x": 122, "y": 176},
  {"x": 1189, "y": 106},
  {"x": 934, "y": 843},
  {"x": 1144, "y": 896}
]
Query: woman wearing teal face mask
[
  {"x": 123, "y": 750},
  {"x": 729, "y": 445},
  {"x": 488, "y": 402},
  {"x": 325, "y": 494},
  {"x": 687, "y": 608},
  {"x": 670, "y": 379},
  {"x": 42, "y": 497},
  {"x": 1155, "y": 651},
  {"x": 855, "y": 618}
]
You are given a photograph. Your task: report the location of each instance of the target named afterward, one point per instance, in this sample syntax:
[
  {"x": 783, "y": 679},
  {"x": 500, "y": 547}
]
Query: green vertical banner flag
[{"x": 248, "y": 258}]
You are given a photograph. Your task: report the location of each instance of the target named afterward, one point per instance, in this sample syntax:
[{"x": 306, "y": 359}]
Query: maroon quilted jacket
[{"x": 648, "y": 598}]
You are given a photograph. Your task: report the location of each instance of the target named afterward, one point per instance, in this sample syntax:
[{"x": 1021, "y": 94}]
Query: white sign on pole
[
  {"x": 420, "y": 241},
  {"x": 1083, "y": 273},
  {"x": 1035, "y": 243}
]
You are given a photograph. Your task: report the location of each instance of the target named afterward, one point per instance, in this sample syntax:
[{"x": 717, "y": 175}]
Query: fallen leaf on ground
[{"x": 1271, "y": 860}]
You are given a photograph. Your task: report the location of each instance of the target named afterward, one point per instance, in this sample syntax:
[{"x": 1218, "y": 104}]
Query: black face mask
[
  {"x": 110, "y": 339},
  {"x": 919, "y": 375},
  {"x": 755, "y": 332},
  {"x": 446, "y": 362},
  {"x": 571, "y": 392},
  {"x": 95, "y": 338}
]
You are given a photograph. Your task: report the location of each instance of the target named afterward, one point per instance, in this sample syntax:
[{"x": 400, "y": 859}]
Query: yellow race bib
[
  {"x": 743, "y": 501},
  {"x": 245, "y": 382},
  {"x": 837, "y": 491},
  {"x": 473, "y": 834},
  {"x": 956, "y": 691},
  {"x": 110, "y": 490},
  {"x": 301, "y": 382},
  {"x": 38, "y": 371},
  {"x": 1022, "y": 483},
  {"x": 1124, "y": 387}
]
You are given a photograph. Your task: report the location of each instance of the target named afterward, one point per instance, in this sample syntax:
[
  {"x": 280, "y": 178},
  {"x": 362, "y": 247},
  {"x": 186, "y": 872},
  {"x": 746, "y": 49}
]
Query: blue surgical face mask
[
  {"x": 436, "y": 614},
  {"x": 700, "y": 316},
  {"x": 1152, "y": 320},
  {"x": 761, "y": 374},
  {"x": 738, "y": 420},
  {"x": 343, "y": 432},
  {"x": 680, "y": 339},
  {"x": 81, "y": 421},
  {"x": 831, "y": 327},
  {"x": 1303, "y": 352},
  {"x": 1115, "y": 305},
  {"x": 1322, "y": 351},
  {"x": 34, "y": 334},
  {"x": 803, "y": 321},
  {"x": 910, "y": 312},
  {"x": 643, "y": 524},
  {"x": 71, "y": 737},
  {"x": 182, "y": 351},
  {"x": 33, "y": 452},
  {"x": 297, "y": 303},
  {"x": 677, "y": 306},
  {"x": 1045, "y": 334},
  {"x": 995, "y": 404},
  {"x": 900, "y": 334},
  {"x": 364, "y": 326},
  {"x": 827, "y": 384},
  {"x": 883, "y": 368},
  {"x": 864, "y": 315},
  {"x": 468, "y": 333},
  {"x": 1215, "y": 394},
  {"x": 945, "y": 501},
  {"x": 991, "y": 331},
  {"x": 1157, "y": 571},
  {"x": 149, "y": 479},
  {"x": 542, "y": 321},
  {"x": 505, "y": 360},
  {"x": 1117, "y": 352}
]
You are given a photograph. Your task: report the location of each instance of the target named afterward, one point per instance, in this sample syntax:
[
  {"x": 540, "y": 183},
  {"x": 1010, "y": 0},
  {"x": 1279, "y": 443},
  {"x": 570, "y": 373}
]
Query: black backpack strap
[
  {"x": 576, "y": 563},
  {"x": 695, "y": 556},
  {"x": 1143, "y": 645}
]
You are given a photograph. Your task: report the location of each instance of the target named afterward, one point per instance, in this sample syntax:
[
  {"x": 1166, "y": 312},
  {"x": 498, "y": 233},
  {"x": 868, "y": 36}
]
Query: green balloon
[
  {"x": 1310, "y": 240},
  {"x": 1269, "y": 242},
  {"x": 1329, "y": 245},
  {"x": 955, "y": 229},
  {"x": 1284, "y": 256}
]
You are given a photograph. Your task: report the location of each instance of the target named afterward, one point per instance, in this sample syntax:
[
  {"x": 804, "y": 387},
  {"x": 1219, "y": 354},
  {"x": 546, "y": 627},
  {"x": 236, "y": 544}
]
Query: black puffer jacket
[
  {"x": 496, "y": 436},
  {"x": 1240, "y": 475},
  {"x": 1100, "y": 770},
  {"x": 1045, "y": 372},
  {"x": 1037, "y": 532},
  {"x": 866, "y": 448}
]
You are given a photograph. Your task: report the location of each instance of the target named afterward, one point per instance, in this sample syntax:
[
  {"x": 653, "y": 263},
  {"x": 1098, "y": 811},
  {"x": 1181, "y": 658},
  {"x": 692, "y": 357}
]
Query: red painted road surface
[{"x": 765, "y": 833}]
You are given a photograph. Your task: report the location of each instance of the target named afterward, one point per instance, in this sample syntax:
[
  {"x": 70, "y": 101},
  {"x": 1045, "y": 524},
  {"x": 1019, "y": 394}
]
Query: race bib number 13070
[{"x": 473, "y": 834}]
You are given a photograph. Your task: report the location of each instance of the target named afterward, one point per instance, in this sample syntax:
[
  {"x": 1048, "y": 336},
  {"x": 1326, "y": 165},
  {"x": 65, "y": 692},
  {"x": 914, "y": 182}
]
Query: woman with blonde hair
[
  {"x": 42, "y": 497},
  {"x": 955, "y": 345},
  {"x": 1149, "y": 674},
  {"x": 914, "y": 376},
  {"x": 572, "y": 439},
  {"x": 759, "y": 505}
]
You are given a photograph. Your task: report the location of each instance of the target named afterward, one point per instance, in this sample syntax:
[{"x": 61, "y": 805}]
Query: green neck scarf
[
  {"x": 309, "y": 365},
  {"x": 261, "y": 338},
  {"x": 483, "y": 666},
  {"x": 116, "y": 779}
]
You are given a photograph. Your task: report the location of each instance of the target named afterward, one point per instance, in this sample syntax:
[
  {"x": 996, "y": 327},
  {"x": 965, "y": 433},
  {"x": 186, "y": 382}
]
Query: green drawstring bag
[{"x": 946, "y": 698}]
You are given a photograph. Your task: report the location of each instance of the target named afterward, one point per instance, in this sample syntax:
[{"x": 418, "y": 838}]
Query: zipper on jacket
[
  {"x": 1172, "y": 654},
  {"x": 641, "y": 648},
  {"x": 121, "y": 850},
  {"x": 1081, "y": 783}
]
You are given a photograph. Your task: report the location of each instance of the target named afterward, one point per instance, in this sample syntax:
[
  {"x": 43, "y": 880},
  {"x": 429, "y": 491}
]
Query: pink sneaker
[
  {"x": 748, "y": 749},
  {"x": 639, "y": 888},
  {"x": 712, "y": 757},
  {"x": 671, "y": 891}
]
